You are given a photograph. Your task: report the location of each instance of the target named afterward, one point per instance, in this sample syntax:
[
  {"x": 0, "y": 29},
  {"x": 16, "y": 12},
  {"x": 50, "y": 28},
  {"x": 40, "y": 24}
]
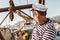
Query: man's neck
[{"x": 43, "y": 21}]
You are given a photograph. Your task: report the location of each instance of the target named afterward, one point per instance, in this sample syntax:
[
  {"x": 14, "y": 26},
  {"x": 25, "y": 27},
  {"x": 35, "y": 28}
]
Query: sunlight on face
[{"x": 35, "y": 15}]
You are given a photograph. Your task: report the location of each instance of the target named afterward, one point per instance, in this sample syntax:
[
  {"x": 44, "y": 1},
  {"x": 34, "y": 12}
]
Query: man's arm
[{"x": 25, "y": 17}]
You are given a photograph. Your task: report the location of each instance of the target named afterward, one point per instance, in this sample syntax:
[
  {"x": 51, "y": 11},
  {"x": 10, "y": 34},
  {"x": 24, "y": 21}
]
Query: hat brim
[{"x": 32, "y": 9}]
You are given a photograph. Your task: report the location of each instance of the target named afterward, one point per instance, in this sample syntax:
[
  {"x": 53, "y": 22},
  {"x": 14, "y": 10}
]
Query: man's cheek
[{"x": 35, "y": 18}]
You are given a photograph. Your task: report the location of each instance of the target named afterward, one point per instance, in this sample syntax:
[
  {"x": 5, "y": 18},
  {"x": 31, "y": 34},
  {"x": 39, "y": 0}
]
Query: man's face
[{"x": 37, "y": 16}]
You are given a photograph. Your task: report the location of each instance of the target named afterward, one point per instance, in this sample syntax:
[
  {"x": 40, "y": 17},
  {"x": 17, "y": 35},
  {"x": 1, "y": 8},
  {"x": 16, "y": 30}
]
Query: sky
[{"x": 52, "y": 5}]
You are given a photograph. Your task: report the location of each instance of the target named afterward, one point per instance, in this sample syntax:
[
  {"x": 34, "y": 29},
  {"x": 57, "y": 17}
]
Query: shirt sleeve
[{"x": 49, "y": 34}]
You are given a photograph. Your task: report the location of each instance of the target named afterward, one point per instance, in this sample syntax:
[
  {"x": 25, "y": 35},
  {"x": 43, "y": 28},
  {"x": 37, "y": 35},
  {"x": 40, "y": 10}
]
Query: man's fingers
[{"x": 17, "y": 11}]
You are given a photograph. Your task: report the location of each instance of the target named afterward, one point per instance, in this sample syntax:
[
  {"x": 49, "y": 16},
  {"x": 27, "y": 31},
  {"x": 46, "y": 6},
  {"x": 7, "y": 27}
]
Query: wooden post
[{"x": 41, "y": 2}]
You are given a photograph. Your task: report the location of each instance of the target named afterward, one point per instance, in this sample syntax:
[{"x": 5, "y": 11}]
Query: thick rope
[{"x": 4, "y": 18}]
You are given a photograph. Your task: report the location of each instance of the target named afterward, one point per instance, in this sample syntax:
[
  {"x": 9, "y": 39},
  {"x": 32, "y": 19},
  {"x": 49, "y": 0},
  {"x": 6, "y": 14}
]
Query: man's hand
[
  {"x": 19, "y": 37},
  {"x": 18, "y": 12}
]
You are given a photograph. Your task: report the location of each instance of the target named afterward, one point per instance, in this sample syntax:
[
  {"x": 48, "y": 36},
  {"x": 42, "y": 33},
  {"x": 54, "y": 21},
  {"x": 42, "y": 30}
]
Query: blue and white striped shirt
[{"x": 44, "y": 32}]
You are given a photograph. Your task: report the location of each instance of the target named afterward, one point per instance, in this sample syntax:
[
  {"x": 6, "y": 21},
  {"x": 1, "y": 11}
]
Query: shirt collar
[{"x": 48, "y": 20}]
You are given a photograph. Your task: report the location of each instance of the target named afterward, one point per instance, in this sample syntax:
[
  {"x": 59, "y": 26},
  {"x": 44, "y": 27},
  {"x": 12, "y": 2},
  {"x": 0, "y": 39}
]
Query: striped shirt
[{"x": 44, "y": 32}]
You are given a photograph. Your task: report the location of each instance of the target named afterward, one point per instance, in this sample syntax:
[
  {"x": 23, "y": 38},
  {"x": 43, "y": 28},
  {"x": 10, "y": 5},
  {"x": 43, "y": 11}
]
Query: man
[{"x": 44, "y": 28}]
